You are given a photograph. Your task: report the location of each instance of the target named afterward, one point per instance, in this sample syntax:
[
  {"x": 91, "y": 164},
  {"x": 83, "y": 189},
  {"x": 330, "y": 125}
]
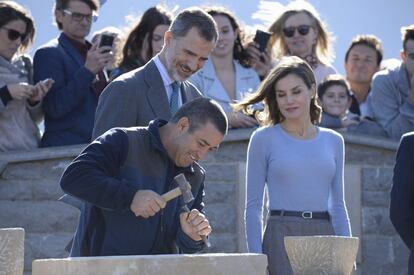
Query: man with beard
[{"x": 159, "y": 88}]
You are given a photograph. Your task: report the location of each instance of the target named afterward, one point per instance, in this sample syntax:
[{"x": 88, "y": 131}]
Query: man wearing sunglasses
[
  {"x": 77, "y": 68},
  {"x": 392, "y": 94}
]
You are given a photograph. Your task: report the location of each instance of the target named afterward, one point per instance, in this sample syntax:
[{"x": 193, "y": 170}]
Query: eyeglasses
[
  {"x": 302, "y": 29},
  {"x": 78, "y": 17},
  {"x": 13, "y": 35}
]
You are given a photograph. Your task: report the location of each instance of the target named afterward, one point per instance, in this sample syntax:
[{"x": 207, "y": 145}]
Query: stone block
[
  {"x": 200, "y": 264},
  {"x": 376, "y": 253},
  {"x": 377, "y": 178},
  {"x": 46, "y": 190},
  {"x": 15, "y": 190},
  {"x": 375, "y": 220},
  {"x": 45, "y": 245},
  {"x": 401, "y": 253},
  {"x": 220, "y": 192},
  {"x": 39, "y": 217},
  {"x": 363, "y": 155},
  {"x": 222, "y": 242},
  {"x": 314, "y": 255},
  {"x": 231, "y": 152},
  {"x": 11, "y": 251},
  {"x": 222, "y": 172},
  {"x": 376, "y": 198},
  {"x": 52, "y": 169},
  {"x": 222, "y": 217}
]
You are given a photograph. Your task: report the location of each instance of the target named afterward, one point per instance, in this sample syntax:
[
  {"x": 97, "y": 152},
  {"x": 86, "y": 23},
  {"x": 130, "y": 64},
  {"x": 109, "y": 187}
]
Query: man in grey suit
[{"x": 157, "y": 89}]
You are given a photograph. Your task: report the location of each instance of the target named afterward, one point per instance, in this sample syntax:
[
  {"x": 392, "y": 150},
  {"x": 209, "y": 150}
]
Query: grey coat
[{"x": 136, "y": 98}]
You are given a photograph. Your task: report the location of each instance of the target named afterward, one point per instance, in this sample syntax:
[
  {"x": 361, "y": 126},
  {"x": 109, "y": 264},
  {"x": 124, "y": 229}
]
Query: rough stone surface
[
  {"x": 15, "y": 190},
  {"x": 378, "y": 178},
  {"x": 375, "y": 220},
  {"x": 222, "y": 172},
  {"x": 207, "y": 264},
  {"x": 11, "y": 251},
  {"x": 32, "y": 216},
  {"x": 222, "y": 217},
  {"x": 220, "y": 192},
  {"x": 376, "y": 198},
  {"x": 379, "y": 262},
  {"x": 222, "y": 242},
  {"x": 316, "y": 255},
  {"x": 35, "y": 170}
]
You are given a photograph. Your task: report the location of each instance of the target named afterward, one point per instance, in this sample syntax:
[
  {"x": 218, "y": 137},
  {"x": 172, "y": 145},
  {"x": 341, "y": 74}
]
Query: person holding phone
[
  {"x": 77, "y": 68},
  {"x": 227, "y": 76},
  {"x": 20, "y": 99},
  {"x": 299, "y": 31}
]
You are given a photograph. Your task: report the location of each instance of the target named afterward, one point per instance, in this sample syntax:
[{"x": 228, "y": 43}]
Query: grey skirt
[{"x": 277, "y": 228}]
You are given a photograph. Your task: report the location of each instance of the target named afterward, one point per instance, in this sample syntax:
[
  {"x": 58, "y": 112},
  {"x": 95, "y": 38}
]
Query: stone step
[{"x": 39, "y": 217}]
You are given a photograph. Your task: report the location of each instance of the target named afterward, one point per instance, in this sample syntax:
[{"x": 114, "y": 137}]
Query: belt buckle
[{"x": 307, "y": 214}]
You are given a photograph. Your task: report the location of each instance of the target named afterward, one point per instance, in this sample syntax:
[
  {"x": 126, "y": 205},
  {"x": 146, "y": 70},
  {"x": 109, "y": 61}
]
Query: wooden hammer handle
[{"x": 172, "y": 194}]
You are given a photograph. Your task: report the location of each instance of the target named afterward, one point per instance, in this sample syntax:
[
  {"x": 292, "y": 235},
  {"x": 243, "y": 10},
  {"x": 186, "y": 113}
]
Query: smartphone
[
  {"x": 106, "y": 40},
  {"x": 262, "y": 38}
]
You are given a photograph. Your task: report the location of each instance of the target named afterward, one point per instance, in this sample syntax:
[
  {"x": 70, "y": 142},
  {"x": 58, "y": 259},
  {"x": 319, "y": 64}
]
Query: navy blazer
[
  {"x": 402, "y": 195},
  {"x": 70, "y": 105}
]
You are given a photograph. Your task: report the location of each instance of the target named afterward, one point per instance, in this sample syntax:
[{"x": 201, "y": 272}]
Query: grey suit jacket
[{"x": 136, "y": 98}]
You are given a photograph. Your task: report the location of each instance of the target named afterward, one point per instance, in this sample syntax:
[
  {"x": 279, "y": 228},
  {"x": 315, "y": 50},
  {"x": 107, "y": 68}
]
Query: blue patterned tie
[{"x": 174, "y": 97}]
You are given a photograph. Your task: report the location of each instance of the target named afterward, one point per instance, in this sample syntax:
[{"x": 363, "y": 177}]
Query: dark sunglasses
[
  {"x": 78, "y": 17},
  {"x": 13, "y": 35},
  {"x": 302, "y": 29}
]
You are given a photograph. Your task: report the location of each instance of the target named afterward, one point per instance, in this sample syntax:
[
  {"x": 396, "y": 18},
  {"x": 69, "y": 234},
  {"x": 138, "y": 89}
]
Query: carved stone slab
[
  {"x": 200, "y": 264},
  {"x": 320, "y": 255},
  {"x": 11, "y": 251}
]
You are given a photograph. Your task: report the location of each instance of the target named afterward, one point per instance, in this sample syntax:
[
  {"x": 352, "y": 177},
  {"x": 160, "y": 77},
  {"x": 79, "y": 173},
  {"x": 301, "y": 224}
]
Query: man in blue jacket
[
  {"x": 123, "y": 173},
  {"x": 76, "y": 66}
]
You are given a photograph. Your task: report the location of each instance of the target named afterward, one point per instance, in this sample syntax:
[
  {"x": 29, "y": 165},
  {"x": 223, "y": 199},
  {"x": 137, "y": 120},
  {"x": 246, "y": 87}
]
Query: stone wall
[{"x": 29, "y": 190}]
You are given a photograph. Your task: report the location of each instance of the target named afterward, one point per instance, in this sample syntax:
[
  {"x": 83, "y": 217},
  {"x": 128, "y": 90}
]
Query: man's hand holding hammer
[
  {"x": 146, "y": 203},
  {"x": 195, "y": 224}
]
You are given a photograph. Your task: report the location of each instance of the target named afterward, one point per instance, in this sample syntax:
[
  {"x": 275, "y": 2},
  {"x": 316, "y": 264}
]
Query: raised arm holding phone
[{"x": 19, "y": 98}]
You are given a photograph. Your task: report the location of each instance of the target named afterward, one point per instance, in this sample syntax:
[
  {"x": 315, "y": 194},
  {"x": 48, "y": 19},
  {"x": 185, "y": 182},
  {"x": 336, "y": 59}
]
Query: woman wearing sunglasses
[
  {"x": 19, "y": 100},
  {"x": 299, "y": 31},
  {"x": 301, "y": 164}
]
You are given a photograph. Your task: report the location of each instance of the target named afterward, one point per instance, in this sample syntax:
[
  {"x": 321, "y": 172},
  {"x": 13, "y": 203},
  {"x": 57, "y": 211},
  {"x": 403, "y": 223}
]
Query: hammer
[{"x": 184, "y": 188}]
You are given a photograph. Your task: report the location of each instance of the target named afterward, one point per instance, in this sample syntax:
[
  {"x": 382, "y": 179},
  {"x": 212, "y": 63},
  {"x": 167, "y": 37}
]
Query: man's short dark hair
[
  {"x": 195, "y": 18},
  {"x": 407, "y": 33},
  {"x": 200, "y": 111},
  {"x": 369, "y": 40},
  {"x": 63, "y": 4}
]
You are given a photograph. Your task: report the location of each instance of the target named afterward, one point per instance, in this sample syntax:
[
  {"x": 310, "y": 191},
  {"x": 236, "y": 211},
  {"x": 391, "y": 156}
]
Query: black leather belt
[{"x": 304, "y": 214}]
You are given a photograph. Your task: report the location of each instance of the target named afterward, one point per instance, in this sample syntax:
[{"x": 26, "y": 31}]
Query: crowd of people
[{"x": 156, "y": 99}]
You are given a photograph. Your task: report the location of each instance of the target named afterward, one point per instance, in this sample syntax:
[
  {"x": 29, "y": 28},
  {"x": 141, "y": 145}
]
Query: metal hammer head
[{"x": 185, "y": 187}]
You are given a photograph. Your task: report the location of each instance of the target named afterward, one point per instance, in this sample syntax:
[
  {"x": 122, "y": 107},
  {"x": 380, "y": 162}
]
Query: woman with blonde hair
[
  {"x": 300, "y": 31},
  {"x": 301, "y": 164}
]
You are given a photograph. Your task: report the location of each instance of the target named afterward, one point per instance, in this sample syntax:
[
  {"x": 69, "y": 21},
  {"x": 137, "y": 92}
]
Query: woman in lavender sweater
[{"x": 300, "y": 163}]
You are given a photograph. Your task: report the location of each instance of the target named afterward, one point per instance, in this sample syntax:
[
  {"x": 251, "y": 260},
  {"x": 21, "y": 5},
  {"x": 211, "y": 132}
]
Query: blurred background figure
[
  {"x": 116, "y": 34},
  {"x": 335, "y": 98},
  {"x": 144, "y": 40},
  {"x": 20, "y": 102},
  {"x": 362, "y": 61},
  {"x": 392, "y": 97},
  {"x": 299, "y": 31},
  {"x": 226, "y": 76}
]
